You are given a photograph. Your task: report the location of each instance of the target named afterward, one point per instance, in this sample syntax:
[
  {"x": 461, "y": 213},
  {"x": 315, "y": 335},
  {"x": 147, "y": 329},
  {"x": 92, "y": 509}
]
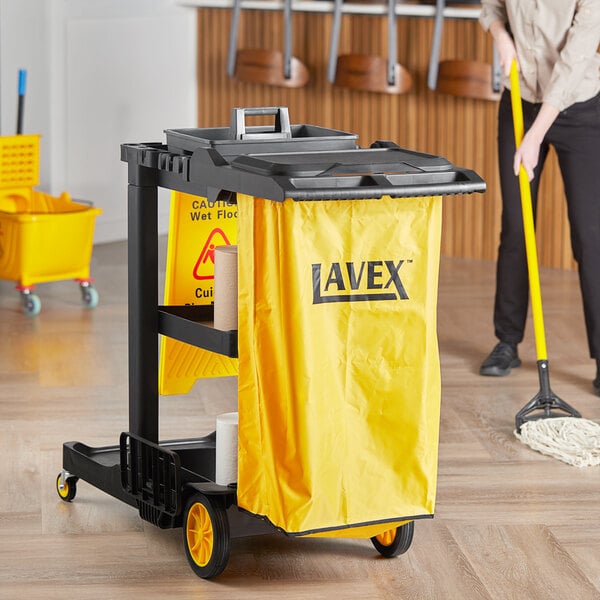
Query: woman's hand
[{"x": 528, "y": 153}]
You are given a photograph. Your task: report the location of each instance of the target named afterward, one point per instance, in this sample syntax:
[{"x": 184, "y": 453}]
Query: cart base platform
[{"x": 156, "y": 479}]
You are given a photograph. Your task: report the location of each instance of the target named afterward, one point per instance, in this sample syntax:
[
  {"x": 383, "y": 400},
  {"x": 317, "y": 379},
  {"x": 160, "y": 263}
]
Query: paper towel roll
[
  {"x": 227, "y": 449},
  {"x": 226, "y": 288}
]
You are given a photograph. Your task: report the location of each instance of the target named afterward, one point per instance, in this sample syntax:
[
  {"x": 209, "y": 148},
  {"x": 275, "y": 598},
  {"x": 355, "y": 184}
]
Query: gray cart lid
[{"x": 302, "y": 162}]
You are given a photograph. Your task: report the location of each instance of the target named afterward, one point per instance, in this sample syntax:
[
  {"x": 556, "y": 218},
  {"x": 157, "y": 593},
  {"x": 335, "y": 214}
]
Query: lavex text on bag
[{"x": 348, "y": 279}]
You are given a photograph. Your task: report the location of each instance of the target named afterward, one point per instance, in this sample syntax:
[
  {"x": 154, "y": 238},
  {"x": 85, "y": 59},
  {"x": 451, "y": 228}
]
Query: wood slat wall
[{"x": 461, "y": 129}]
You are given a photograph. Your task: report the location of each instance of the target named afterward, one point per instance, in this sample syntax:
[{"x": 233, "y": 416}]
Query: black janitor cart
[{"x": 339, "y": 386}]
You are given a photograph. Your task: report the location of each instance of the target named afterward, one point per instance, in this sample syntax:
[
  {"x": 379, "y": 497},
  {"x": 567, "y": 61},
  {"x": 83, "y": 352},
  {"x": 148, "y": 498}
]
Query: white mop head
[{"x": 572, "y": 440}]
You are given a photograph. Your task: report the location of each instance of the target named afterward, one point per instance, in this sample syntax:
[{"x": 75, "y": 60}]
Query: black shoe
[
  {"x": 501, "y": 360},
  {"x": 596, "y": 384}
]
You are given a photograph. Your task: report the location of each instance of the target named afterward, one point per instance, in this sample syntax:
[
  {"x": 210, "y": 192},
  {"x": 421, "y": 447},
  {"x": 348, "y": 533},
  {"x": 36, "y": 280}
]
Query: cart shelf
[{"x": 194, "y": 325}]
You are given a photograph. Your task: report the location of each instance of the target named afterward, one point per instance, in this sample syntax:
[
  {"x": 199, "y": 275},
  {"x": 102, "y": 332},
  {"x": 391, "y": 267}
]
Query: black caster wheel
[
  {"x": 394, "y": 541},
  {"x": 206, "y": 536},
  {"x": 66, "y": 489}
]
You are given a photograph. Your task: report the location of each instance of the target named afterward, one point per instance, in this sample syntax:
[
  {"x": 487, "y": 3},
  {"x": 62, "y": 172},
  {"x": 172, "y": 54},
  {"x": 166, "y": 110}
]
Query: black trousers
[{"x": 575, "y": 135}]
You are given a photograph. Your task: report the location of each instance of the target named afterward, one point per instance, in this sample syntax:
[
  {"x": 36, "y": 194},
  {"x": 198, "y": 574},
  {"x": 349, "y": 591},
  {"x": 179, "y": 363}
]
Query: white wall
[
  {"x": 25, "y": 43},
  {"x": 100, "y": 73}
]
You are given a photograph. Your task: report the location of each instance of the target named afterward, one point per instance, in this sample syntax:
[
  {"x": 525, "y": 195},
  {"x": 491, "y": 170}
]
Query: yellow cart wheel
[
  {"x": 66, "y": 489},
  {"x": 394, "y": 541},
  {"x": 206, "y": 536}
]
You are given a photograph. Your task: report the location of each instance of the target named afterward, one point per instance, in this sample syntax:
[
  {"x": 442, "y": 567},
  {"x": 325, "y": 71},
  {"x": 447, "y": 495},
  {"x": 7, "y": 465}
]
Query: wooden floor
[{"x": 510, "y": 523}]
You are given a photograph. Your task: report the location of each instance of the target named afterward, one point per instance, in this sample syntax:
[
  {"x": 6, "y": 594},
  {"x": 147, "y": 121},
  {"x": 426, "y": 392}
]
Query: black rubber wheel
[
  {"x": 69, "y": 489},
  {"x": 394, "y": 541},
  {"x": 206, "y": 536}
]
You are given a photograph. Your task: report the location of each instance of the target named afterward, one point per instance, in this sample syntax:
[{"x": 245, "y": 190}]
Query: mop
[{"x": 546, "y": 422}]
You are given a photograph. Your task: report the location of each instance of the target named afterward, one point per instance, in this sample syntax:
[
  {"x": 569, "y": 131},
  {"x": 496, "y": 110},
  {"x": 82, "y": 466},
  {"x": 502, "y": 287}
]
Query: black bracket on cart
[{"x": 152, "y": 475}]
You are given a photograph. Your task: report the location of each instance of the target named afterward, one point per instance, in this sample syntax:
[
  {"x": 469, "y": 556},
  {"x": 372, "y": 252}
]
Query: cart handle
[{"x": 281, "y": 127}]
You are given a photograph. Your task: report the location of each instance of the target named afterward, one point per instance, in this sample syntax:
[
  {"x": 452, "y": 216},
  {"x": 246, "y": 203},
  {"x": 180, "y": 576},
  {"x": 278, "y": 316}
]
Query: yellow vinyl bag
[
  {"x": 339, "y": 377},
  {"x": 196, "y": 228}
]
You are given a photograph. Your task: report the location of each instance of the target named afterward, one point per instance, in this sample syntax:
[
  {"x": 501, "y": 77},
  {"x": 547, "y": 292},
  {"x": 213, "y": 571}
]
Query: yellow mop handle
[{"x": 530, "y": 245}]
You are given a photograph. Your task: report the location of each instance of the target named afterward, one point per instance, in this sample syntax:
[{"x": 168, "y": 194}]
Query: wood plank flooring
[{"x": 510, "y": 523}]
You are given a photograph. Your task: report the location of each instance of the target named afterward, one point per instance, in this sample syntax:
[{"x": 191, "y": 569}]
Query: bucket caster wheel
[
  {"x": 89, "y": 295},
  {"x": 31, "y": 303},
  {"x": 396, "y": 541}
]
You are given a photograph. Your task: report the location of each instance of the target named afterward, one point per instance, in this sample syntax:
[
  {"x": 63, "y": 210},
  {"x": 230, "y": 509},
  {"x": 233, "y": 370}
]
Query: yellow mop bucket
[
  {"x": 51, "y": 246},
  {"x": 43, "y": 238}
]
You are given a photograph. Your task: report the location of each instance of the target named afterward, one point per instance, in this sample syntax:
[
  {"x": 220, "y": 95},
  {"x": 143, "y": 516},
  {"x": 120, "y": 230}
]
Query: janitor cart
[{"x": 339, "y": 383}]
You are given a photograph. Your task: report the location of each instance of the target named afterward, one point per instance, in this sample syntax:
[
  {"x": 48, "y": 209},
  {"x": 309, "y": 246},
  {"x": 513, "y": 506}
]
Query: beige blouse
[{"x": 557, "y": 44}]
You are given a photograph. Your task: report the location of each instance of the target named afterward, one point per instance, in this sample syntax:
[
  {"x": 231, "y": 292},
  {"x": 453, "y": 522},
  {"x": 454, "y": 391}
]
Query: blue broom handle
[{"x": 21, "y": 106}]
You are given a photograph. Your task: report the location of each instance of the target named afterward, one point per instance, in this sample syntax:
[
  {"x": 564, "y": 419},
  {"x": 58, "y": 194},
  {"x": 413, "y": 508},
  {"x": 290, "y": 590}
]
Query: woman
[{"x": 555, "y": 43}]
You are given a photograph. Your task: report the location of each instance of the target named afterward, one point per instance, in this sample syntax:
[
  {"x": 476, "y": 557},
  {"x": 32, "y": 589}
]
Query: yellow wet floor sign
[{"x": 196, "y": 228}]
